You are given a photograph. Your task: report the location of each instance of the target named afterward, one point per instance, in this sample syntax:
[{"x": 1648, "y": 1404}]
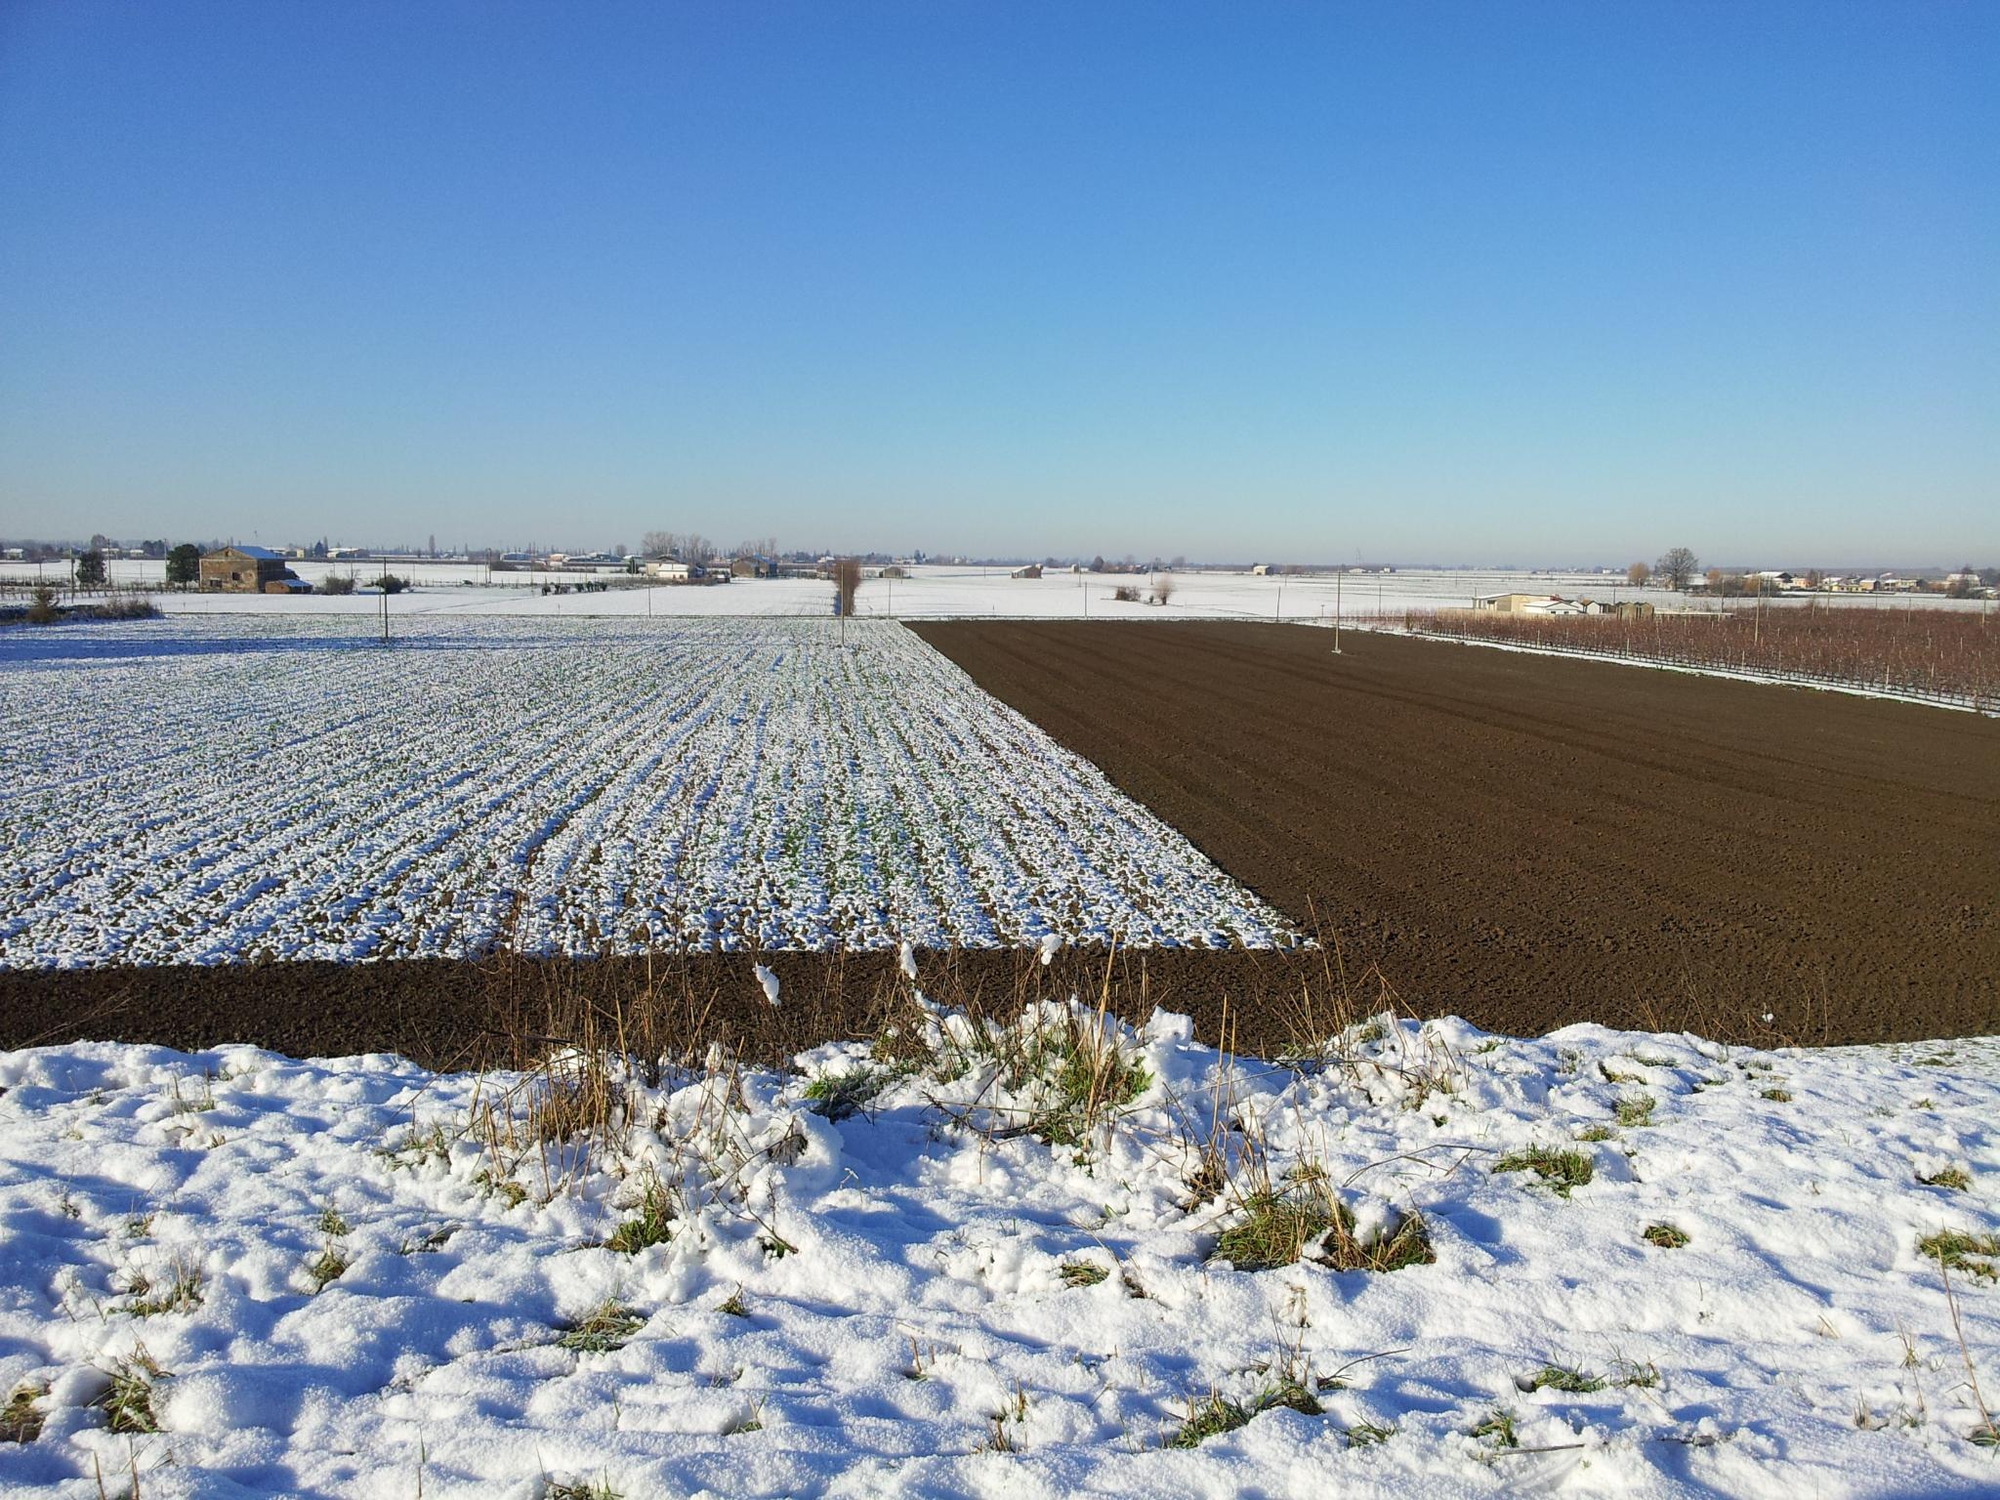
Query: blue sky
[{"x": 1458, "y": 283}]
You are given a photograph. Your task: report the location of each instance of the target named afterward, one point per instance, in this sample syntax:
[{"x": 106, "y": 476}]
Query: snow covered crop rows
[
  {"x": 241, "y": 788},
  {"x": 1632, "y": 1265}
]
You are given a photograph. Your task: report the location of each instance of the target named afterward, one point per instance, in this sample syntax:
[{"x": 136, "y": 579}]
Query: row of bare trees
[{"x": 1951, "y": 655}]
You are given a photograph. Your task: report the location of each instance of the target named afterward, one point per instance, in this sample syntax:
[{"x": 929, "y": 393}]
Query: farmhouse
[
  {"x": 1032, "y": 570},
  {"x": 1516, "y": 604},
  {"x": 246, "y": 570},
  {"x": 1265, "y": 570}
]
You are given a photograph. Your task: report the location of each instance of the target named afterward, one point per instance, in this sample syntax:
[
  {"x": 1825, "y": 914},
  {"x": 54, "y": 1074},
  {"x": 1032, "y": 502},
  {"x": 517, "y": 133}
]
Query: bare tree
[
  {"x": 658, "y": 543},
  {"x": 1676, "y": 569},
  {"x": 1163, "y": 588},
  {"x": 1637, "y": 574},
  {"x": 846, "y": 583},
  {"x": 696, "y": 548}
]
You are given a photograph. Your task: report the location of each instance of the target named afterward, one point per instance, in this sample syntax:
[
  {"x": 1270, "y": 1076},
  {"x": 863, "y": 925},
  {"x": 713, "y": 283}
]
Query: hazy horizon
[{"x": 1343, "y": 284}]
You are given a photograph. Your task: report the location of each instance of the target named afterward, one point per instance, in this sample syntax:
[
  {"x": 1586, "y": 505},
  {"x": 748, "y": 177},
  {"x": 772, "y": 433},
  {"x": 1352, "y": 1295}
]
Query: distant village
[{"x": 667, "y": 557}]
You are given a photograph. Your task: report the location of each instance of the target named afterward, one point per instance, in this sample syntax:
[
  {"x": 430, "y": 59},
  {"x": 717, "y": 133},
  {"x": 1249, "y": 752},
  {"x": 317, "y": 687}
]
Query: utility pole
[
  {"x": 385, "y": 614},
  {"x": 1336, "y": 611}
]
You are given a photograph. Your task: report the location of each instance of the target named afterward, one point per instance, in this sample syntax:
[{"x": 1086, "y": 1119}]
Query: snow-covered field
[
  {"x": 934, "y": 1271},
  {"x": 937, "y": 592},
  {"x": 203, "y": 790}
]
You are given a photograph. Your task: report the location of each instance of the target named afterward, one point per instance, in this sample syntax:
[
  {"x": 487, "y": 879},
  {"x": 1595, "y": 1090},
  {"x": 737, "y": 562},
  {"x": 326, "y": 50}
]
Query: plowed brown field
[{"x": 1519, "y": 837}]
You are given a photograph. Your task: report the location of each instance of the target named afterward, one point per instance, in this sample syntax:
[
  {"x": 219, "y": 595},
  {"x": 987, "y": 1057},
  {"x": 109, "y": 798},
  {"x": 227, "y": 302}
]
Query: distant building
[
  {"x": 1032, "y": 570},
  {"x": 1515, "y": 604},
  {"x": 1265, "y": 570},
  {"x": 666, "y": 570},
  {"x": 246, "y": 570}
]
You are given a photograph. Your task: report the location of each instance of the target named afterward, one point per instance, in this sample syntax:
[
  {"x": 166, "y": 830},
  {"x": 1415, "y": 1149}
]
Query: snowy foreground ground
[{"x": 937, "y": 1277}]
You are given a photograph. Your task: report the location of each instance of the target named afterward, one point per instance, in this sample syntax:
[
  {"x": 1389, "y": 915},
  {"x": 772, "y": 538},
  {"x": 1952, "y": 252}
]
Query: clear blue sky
[{"x": 1464, "y": 282}]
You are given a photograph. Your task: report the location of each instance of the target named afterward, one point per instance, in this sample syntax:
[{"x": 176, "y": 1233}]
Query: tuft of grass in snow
[
  {"x": 1089, "y": 1082},
  {"x": 1643, "y": 1376},
  {"x": 1776, "y": 1096},
  {"x": 1288, "y": 1392},
  {"x": 21, "y": 1420},
  {"x": 179, "y": 1292},
  {"x": 652, "y": 1225},
  {"x": 1279, "y": 1228},
  {"x": 580, "y": 1489},
  {"x": 329, "y": 1267},
  {"x": 1081, "y": 1273},
  {"x": 128, "y": 1401},
  {"x": 603, "y": 1329},
  {"x": 1207, "y": 1419},
  {"x": 1636, "y": 1109},
  {"x": 1956, "y": 1178},
  {"x": 1554, "y": 1377},
  {"x": 1613, "y": 1075},
  {"x": 331, "y": 1224},
  {"x": 1596, "y": 1133},
  {"x": 1499, "y": 1426},
  {"x": 1957, "y": 1250},
  {"x": 1368, "y": 1434},
  {"x": 734, "y": 1305},
  {"x": 1561, "y": 1170},
  {"x": 1665, "y": 1236}
]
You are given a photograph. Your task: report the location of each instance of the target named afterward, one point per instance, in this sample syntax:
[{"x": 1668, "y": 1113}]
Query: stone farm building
[{"x": 248, "y": 570}]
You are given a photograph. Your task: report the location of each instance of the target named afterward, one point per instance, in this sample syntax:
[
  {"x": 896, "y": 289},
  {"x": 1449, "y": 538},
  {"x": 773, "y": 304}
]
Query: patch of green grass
[
  {"x": 734, "y": 1305},
  {"x": 1665, "y": 1236},
  {"x": 1596, "y": 1133},
  {"x": 1955, "y": 1178},
  {"x": 651, "y": 1225},
  {"x": 605, "y": 1328},
  {"x": 21, "y": 1420},
  {"x": 1635, "y": 1110},
  {"x": 128, "y": 1401},
  {"x": 839, "y": 1095},
  {"x": 1081, "y": 1273},
  {"x": 1553, "y": 1377},
  {"x": 1561, "y": 1170},
  {"x": 330, "y": 1222},
  {"x": 1613, "y": 1075},
  {"x": 1958, "y": 1250},
  {"x": 1092, "y": 1082},
  {"x": 1277, "y": 1227},
  {"x": 1776, "y": 1096},
  {"x": 1985, "y": 1435},
  {"x": 1368, "y": 1434},
  {"x": 1207, "y": 1419},
  {"x": 331, "y": 1265},
  {"x": 1499, "y": 1426}
]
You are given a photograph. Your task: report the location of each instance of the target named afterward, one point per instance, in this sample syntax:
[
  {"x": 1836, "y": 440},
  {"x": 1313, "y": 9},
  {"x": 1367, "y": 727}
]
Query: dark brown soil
[
  {"x": 451, "y": 1014},
  {"x": 1528, "y": 841}
]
